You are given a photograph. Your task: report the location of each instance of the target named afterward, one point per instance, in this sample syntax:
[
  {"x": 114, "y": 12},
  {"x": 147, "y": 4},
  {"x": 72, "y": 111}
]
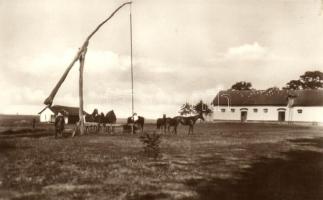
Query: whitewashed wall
[
  {"x": 271, "y": 115},
  {"x": 309, "y": 114},
  {"x": 45, "y": 116}
]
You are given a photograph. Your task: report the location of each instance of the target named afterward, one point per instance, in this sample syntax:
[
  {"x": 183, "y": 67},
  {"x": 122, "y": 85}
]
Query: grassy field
[{"x": 220, "y": 161}]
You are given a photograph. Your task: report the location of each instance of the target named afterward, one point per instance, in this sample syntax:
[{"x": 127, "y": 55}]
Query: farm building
[
  {"x": 269, "y": 105},
  {"x": 71, "y": 114}
]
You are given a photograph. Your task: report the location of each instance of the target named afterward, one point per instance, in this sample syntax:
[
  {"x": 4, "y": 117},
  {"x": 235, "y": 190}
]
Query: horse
[
  {"x": 138, "y": 123},
  {"x": 162, "y": 123},
  {"x": 110, "y": 118},
  {"x": 173, "y": 122},
  {"x": 59, "y": 125},
  {"x": 190, "y": 121},
  {"x": 91, "y": 120},
  {"x": 99, "y": 119}
]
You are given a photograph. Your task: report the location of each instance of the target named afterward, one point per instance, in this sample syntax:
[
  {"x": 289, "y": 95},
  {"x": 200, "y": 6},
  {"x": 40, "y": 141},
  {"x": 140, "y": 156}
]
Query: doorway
[
  {"x": 281, "y": 116},
  {"x": 243, "y": 116}
]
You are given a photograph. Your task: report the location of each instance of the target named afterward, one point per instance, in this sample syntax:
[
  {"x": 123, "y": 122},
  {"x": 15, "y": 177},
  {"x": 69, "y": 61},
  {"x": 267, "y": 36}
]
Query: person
[
  {"x": 34, "y": 123},
  {"x": 59, "y": 124},
  {"x": 135, "y": 117}
]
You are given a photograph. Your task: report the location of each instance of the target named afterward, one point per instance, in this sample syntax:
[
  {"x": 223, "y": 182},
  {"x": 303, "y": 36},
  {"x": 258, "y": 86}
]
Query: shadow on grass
[
  {"x": 318, "y": 142},
  {"x": 298, "y": 177},
  {"x": 7, "y": 144}
]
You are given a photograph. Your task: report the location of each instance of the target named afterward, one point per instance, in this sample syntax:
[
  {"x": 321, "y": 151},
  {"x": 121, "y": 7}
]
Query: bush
[{"x": 151, "y": 142}]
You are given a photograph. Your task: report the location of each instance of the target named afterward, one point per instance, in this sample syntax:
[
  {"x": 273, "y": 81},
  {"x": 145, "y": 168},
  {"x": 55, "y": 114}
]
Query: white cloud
[{"x": 246, "y": 52}]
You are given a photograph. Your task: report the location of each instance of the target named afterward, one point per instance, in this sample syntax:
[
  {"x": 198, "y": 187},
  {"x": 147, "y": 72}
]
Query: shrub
[{"x": 151, "y": 142}]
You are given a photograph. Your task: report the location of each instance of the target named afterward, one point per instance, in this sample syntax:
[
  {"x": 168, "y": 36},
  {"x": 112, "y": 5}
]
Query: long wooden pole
[
  {"x": 132, "y": 100},
  {"x": 49, "y": 100},
  {"x": 82, "y": 60},
  {"x": 131, "y": 66}
]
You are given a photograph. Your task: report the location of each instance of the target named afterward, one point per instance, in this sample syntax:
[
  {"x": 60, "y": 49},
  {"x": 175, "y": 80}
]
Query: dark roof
[
  {"x": 272, "y": 97},
  {"x": 71, "y": 111}
]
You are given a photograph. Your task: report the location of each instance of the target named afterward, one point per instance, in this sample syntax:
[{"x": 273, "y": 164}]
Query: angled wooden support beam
[{"x": 49, "y": 100}]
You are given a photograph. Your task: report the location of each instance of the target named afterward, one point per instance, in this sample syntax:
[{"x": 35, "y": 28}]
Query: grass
[{"x": 217, "y": 160}]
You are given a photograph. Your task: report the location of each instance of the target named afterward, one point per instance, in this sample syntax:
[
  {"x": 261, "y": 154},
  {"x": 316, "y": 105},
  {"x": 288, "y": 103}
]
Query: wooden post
[
  {"x": 131, "y": 66},
  {"x": 82, "y": 59},
  {"x": 164, "y": 122}
]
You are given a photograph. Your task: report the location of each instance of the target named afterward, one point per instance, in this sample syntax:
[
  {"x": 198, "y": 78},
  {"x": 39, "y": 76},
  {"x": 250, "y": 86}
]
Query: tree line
[{"x": 309, "y": 80}]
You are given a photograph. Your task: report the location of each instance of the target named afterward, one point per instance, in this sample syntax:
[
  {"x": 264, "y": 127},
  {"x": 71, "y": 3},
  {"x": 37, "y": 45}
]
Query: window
[
  {"x": 299, "y": 111},
  {"x": 265, "y": 110},
  {"x": 255, "y": 110},
  {"x": 233, "y": 110},
  {"x": 223, "y": 110}
]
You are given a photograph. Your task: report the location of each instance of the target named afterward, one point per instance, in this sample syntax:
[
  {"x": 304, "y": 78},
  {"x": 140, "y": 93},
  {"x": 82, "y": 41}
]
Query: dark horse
[
  {"x": 139, "y": 123},
  {"x": 162, "y": 123},
  {"x": 167, "y": 123},
  {"x": 110, "y": 118},
  {"x": 92, "y": 120},
  {"x": 190, "y": 121},
  {"x": 59, "y": 125},
  {"x": 173, "y": 122}
]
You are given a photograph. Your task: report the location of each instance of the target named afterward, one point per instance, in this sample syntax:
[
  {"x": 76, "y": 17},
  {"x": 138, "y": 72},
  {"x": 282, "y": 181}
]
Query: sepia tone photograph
[{"x": 161, "y": 100}]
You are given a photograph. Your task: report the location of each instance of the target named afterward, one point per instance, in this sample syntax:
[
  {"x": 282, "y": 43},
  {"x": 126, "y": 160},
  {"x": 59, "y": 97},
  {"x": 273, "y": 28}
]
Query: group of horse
[
  {"x": 96, "y": 122},
  {"x": 167, "y": 123}
]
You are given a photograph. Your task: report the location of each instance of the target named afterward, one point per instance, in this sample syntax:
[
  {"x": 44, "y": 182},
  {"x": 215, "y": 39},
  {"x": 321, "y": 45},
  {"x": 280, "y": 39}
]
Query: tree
[
  {"x": 312, "y": 80},
  {"x": 186, "y": 109},
  {"x": 202, "y": 108},
  {"x": 242, "y": 85},
  {"x": 309, "y": 80},
  {"x": 294, "y": 85}
]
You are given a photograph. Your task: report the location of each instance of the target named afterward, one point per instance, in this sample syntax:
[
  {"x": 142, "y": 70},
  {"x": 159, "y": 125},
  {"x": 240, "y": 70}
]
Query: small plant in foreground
[{"x": 151, "y": 143}]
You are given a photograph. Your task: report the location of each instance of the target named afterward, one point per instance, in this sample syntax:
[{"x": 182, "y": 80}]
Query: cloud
[{"x": 246, "y": 52}]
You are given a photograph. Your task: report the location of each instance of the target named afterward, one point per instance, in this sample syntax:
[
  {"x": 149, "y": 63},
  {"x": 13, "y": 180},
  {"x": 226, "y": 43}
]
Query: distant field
[
  {"x": 27, "y": 120},
  {"x": 17, "y": 120},
  {"x": 220, "y": 161},
  {"x": 23, "y": 124}
]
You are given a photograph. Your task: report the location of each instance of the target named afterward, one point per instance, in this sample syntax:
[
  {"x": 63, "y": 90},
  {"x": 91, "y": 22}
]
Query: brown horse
[
  {"x": 110, "y": 118},
  {"x": 190, "y": 121},
  {"x": 162, "y": 123},
  {"x": 91, "y": 120},
  {"x": 173, "y": 122}
]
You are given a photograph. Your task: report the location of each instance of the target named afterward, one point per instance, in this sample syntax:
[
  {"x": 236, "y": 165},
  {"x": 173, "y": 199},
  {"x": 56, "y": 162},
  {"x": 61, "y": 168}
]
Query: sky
[{"x": 183, "y": 51}]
